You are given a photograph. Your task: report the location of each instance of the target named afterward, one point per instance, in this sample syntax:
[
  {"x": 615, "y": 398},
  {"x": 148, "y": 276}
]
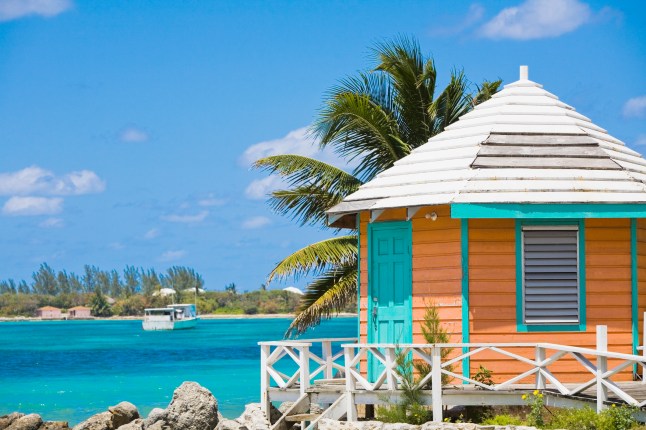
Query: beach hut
[
  {"x": 79, "y": 312},
  {"x": 49, "y": 312},
  {"x": 522, "y": 222}
]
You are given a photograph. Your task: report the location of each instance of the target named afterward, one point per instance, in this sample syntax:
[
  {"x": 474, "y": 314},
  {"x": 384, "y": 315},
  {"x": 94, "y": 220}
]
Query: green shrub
[
  {"x": 617, "y": 418},
  {"x": 503, "y": 420},
  {"x": 613, "y": 418}
]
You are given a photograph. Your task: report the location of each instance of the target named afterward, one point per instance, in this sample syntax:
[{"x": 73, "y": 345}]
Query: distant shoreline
[{"x": 204, "y": 317}]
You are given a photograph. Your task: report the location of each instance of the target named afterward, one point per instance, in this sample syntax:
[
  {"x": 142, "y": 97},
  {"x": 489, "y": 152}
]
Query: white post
[
  {"x": 391, "y": 360},
  {"x": 540, "y": 378},
  {"x": 326, "y": 347},
  {"x": 265, "y": 402},
  {"x": 644, "y": 348},
  {"x": 304, "y": 368},
  {"x": 351, "y": 408},
  {"x": 602, "y": 366},
  {"x": 436, "y": 379}
]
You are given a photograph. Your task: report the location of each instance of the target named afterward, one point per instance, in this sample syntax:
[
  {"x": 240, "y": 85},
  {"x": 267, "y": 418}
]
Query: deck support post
[
  {"x": 436, "y": 378},
  {"x": 265, "y": 402},
  {"x": 602, "y": 366},
  {"x": 351, "y": 407},
  {"x": 540, "y": 377},
  {"x": 304, "y": 368},
  {"x": 326, "y": 349},
  {"x": 391, "y": 361},
  {"x": 644, "y": 348}
]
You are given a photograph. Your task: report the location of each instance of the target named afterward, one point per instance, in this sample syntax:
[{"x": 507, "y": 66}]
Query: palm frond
[
  {"x": 485, "y": 91},
  {"x": 315, "y": 258},
  {"x": 452, "y": 103},
  {"x": 328, "y": 294},
  {"x": 315, "y": 186}
]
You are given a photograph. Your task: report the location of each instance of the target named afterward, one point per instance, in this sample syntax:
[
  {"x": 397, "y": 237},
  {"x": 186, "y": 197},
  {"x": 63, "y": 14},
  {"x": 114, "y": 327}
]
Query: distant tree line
[{"x": 112, "y": 283}]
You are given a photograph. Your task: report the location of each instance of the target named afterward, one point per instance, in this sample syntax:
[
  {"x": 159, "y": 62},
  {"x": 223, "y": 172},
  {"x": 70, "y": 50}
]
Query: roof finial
[{"x": 524, "y": 73}]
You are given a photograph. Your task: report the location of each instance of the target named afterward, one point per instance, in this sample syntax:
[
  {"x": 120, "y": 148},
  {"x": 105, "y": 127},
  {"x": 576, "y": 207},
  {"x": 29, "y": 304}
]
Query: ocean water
[{"x": 69, "y": 370}]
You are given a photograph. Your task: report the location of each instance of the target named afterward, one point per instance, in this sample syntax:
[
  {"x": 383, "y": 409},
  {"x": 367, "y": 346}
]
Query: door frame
[{"x": 380, "y": 226}]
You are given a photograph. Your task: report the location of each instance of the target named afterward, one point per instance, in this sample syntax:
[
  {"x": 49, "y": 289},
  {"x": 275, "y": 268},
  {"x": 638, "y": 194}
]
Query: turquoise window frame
[{"x": 521, "y": 326}]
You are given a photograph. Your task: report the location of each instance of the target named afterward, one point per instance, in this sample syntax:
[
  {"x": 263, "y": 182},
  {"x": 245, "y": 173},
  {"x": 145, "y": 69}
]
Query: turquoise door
[{"x": 389, "y": 286}]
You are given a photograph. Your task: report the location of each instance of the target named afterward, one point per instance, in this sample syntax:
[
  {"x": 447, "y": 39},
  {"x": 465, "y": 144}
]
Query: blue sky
[{"x": 127, "y": 128}]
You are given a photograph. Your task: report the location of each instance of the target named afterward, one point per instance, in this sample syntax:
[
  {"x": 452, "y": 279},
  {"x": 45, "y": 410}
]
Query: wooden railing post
[
  {"x": 602, "y": 366},
  {"x": 326, "y": 348},
  {"x": 644, "y": 348},
  {"x": 304, "y": 368},
  {"x": 391, "y": 360},
  {"x": 540, "y": 378},
  {"x": 351, "y": 408},
  {"x": 265, "y": 402},
  {"x": 436, "y": 378}
]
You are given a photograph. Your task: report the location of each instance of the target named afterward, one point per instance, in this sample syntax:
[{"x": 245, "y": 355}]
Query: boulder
[
  {"x": 326, "y": 424},
  {"x": 26, "y": 422},
  {"x": 54, "y": 425},
  {"x": 137, "y": 424},
  {"x": 123, "y": 413},
  {"x": 102, "y": 421},
  {"x": 226, "y": 424},
  {"x": 193, "y": 407},
  {"x": 254, "y": 418},
  {"x": 6, "y": 420}
]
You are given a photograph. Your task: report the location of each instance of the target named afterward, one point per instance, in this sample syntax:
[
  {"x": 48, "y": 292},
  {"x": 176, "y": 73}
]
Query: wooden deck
[{"x": 339, "y": 381}]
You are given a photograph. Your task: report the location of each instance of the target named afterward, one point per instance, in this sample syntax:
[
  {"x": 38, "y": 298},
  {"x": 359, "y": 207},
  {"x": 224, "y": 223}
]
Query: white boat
[{"x": 172, "y": 317}]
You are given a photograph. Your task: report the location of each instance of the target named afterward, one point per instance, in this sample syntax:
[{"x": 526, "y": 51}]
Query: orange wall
[
  {"x": 492, "y": 284},
  {"x": 641, "y": 275}
]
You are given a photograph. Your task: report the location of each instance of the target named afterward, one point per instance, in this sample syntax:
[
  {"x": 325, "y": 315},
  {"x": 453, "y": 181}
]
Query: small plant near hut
[
  {"x": 503, "y": 420},
  {"x": 536, "y": 404},
  {"x": 483, "y": 376},
  {"x": 433, "y": 332}
]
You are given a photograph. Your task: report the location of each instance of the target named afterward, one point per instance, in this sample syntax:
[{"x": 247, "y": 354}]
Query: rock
[
  {"x": 254, "y": 418},
  {"x": 54, "y": 425},
  {"x": 137, "y": 424},
  {"x": 102, "y": 421},
  {"x": 123, "y": 413},
  {"x": 230, "y": 425},
  {"x": 326, "y": 424},
  {"x": 6, "y": 420},
  {"x": 26, "y": 422},
  {"x": 400, "y": 426},
  {"x": 193, "y": 407}
]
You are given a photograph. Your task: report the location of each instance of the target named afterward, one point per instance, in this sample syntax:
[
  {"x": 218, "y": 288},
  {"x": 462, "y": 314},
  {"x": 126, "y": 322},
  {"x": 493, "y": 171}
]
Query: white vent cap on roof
[{"x": 524, "y": 73}]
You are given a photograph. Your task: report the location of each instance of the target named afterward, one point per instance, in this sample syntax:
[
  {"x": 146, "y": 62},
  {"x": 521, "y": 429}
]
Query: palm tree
[{"x": 372, "y": 119}]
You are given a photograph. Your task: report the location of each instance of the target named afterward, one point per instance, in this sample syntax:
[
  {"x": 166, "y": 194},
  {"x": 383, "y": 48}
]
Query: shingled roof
[{"x": 521, "y": 146}]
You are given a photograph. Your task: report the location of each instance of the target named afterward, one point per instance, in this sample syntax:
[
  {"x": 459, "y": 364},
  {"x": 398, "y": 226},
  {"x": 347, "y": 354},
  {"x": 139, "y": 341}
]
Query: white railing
[
  {"x": 593, "y": 376},
  {"x": 309, "y": 366}
]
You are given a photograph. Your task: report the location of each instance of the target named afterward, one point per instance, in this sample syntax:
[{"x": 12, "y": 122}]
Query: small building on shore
[
  {"x": 49, "y": 313},
  {"x": 522, "y": 222},
  {"x": 79, "y": 312}
]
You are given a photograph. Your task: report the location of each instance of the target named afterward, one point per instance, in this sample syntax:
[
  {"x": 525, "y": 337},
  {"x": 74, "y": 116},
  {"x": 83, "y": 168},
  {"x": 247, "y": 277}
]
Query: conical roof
[{"x": 521, "y": 146}]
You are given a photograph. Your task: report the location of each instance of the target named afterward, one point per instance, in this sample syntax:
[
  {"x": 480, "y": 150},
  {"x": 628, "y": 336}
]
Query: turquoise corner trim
[
  {"x": 520, "y": 324},
  {"x": 634, "y": 286},
  {"x": 466, "y": 336},
  {"x": 359, "y": 277},
  {"x": 547, "y": 211}
]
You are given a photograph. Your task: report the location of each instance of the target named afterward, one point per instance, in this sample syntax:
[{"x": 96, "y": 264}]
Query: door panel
[{"x": 389, "y": 286}]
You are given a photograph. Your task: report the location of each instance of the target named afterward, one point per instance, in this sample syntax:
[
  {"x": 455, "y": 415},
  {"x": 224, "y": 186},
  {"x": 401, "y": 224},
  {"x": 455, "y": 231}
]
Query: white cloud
[
  {"x": 133, "y": 134},
  {"x": 32, "y": 206},
  {"x": 641, "y": 140},
  {"x": 260, "y": 188},
  {"x": 36, "y": 180},
  {"x": 52, "y": 223},
  {"x": 211, "y": 201},
  {"x": 14, "y": 9},
  {"x": 172, "y": 255},
  {"x": 117, "y": 246},
  {"x": 537, "y": 19},
  {"x": 187, "y": 219},
  {"x": 151, "y": 234},
  {"x": 255, "y": 222},
  {"x": 635, "y": 107}
]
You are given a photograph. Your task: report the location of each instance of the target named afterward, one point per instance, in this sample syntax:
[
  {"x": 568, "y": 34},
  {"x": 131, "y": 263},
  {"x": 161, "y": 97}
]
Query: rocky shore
[{"x": 193, "y": 407}]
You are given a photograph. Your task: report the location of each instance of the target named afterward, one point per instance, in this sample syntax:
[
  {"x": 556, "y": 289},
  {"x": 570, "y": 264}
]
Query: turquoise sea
[{"x": 69, "y": 370}]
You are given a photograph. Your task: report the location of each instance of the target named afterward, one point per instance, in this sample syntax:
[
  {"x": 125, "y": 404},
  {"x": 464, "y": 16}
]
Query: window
[{"x": 550, "y": 275}]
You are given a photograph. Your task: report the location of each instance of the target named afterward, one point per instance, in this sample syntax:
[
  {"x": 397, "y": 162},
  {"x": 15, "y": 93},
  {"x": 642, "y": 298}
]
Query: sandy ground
[{"x": 204, "y": 317}]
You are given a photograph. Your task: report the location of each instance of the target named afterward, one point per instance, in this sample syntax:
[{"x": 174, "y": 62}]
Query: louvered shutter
[{"x": 550, "y": 275}]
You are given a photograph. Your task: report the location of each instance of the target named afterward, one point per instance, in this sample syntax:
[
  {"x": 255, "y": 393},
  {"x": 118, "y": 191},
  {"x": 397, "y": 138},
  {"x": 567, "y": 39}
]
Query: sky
[{"x": 127, "y": 129}]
